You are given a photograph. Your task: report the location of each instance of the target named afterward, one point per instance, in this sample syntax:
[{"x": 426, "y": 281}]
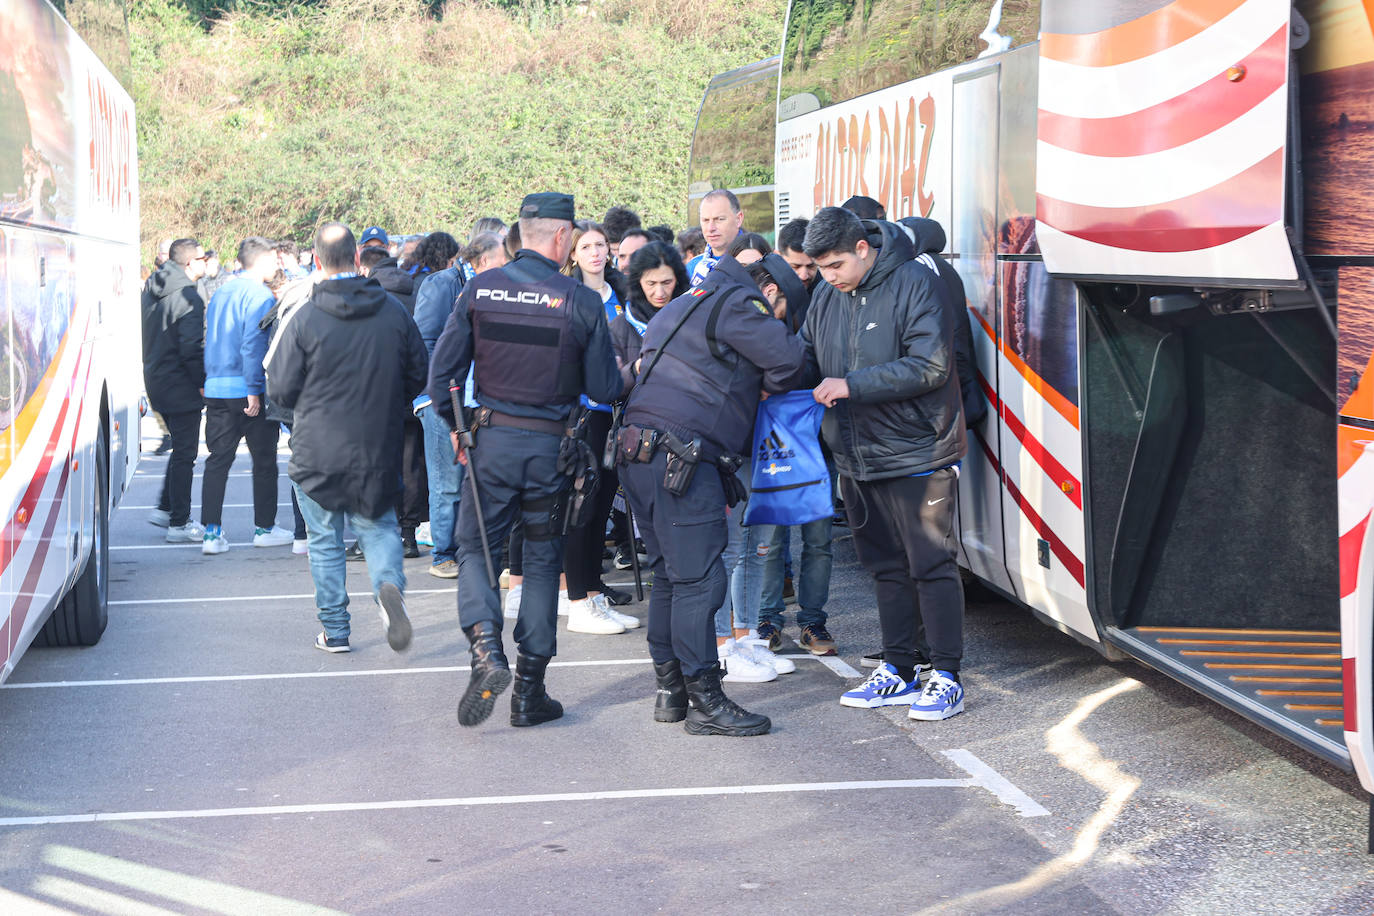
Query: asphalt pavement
[{"x": 204, "y": 757}]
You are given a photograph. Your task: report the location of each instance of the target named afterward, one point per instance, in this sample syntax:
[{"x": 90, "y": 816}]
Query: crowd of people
[{"x": 536, "y": 401}]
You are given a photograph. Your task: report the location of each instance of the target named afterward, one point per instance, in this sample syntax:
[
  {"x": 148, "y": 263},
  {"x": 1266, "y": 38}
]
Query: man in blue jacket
[{"x": 235, "y": 345}]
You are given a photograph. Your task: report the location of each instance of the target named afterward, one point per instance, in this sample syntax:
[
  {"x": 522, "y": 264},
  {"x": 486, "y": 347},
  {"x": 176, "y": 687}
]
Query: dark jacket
[
  {"x": 792, "y": 288},
  {"x": 626, "y": 340},
  {"x": 396, "y": 281},
  {"x": 348, "y": 362},
  {"x": 601, "y": 379},
  {"x": 892, "y": 341},
  {"x": 173, "y": 341},
  {"x": 707, "y": 382},
  {"x": 929, "y": 238}
]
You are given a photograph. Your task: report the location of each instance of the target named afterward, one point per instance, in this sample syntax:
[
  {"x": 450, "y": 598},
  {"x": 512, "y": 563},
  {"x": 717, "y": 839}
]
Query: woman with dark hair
[
  {"x": 436, "y": 252},
  {"x": 749, "y": 247},
  {"x": 656, "y": 277},
  {"x": 589, "y": 606}
]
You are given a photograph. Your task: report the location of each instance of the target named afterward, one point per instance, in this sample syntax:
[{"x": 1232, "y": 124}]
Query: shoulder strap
[{"x": 644, "y": 375}]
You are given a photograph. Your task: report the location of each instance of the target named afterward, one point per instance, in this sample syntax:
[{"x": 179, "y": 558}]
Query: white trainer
[
  {"x": 625, "y": 620},
  {"x": 300, "y": 546},
  {"x": 740, "y": 666},
  {"x": 276, "y": 536},
  {"x": 212, "y": 544},
  {"x": 759, "y": 651},
  {"x": 564, "y": 605},
  {"x": 513, "y": 600},
  {"x": 160, "y": 517},
  {"x": 189, "y": 532},
  {"x": 586, "y": 616}
]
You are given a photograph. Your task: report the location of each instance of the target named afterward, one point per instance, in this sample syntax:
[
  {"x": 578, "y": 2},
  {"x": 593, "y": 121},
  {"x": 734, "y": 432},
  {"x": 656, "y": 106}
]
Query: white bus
[
  {"x": 1163, "y": 214},
  {"x": 732, "y": 144},
  {"x": 71, "y": 379}
]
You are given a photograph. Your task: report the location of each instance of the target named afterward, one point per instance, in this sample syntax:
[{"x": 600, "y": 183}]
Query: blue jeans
[
  {"x": 445, "y": 485},
  {"x": 813, "y": 585},
  {"x": 381, "y": 542},
  {"x": 745, "y": 569}
]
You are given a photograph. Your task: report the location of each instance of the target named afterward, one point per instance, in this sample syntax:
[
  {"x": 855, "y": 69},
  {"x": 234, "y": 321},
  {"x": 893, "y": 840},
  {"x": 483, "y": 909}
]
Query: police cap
[{"x": 547, "y": 205}]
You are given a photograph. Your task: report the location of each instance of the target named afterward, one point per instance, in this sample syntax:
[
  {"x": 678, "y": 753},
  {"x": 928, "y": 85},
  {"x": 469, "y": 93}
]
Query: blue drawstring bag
[{"x": 790, "y": 484}]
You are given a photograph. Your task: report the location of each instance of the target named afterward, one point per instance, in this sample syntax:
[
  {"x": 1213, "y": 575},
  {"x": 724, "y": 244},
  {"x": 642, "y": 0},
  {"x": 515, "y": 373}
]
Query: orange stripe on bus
[
  {"x": 1062, "y": 405},
  {"x": 1350, "y": 445},
  {"x": 28, "y": 416},
  {"x": 1138, "y": 38}
]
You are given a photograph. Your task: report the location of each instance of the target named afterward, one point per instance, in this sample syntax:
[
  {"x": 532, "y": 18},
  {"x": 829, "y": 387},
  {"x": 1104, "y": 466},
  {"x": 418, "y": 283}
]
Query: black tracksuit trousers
[{"x": 904, "y": 535}]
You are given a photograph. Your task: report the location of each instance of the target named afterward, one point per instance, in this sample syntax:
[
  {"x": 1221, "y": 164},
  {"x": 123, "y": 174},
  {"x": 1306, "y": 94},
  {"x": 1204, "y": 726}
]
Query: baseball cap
[
  {"x": 374, "y": 232},
  {"x": 547, "y": 205}
]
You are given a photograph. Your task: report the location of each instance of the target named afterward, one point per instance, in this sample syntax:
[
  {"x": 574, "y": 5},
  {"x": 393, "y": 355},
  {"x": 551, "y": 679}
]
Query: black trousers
[
  {"x": 184, "y": 428},
  {"x": 517, "y": 476},
  {"x": 414, "y": 503},
  {"x": 226, "y": 425},
  {"x": 583, "y": 546},
  {"x": 684, "y": 536},
  {"x": 904, "y": 536}
]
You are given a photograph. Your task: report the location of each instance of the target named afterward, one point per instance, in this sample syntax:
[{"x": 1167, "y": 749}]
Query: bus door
[
  {"x": 1026, "y": 333},
  {"x": 974, "y": 129}
]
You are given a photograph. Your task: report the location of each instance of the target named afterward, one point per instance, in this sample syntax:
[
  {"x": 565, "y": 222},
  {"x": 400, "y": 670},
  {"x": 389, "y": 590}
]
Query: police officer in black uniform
[
  {"x": 536, "y": 340},
  {"x": 687, "y": 420}
]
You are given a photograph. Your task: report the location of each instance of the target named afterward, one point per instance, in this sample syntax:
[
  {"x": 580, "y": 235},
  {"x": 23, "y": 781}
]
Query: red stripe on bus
[
  {"x": 1232, "y": 209},
  {"x": 1182, "y": 119},
  {"x": 1348, "y": 681},
  {"x": 13, "y": 535},
  {"x": 1351, "y": 544},
  {"x": 1057, "y": 546},
  {"x": 1067, "y": 483}
]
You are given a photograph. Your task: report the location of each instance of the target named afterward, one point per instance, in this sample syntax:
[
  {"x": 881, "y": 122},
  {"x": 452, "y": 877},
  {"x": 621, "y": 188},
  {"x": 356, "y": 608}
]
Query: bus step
[{"x": 1287, "y": 680}]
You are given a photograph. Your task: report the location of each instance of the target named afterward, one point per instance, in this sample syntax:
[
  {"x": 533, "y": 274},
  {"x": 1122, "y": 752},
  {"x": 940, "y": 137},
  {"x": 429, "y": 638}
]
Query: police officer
[
  {"x": 687, "y": 420},
  {"x": 536, "y": 340}
]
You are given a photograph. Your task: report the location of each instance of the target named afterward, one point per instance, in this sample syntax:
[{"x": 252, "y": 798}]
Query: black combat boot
[
  {"x": 713, "y": 713},
  {"x": 670, "y": 700},
  {"x": 490, "y": 673},
  {"x": 530, "y": 703}
]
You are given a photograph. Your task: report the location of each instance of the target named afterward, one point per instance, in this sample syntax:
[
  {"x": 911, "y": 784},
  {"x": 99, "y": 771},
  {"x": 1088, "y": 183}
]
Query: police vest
[{"x": 524, "y": 351}]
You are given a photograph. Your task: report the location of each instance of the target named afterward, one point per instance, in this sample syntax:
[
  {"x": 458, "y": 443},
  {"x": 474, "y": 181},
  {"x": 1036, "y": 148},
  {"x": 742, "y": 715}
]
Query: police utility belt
[{"x": 638, "y": 445}]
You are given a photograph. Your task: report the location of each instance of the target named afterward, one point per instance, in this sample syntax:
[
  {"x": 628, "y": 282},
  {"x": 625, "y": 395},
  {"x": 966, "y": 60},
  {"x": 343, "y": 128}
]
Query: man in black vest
[
  {"x": 536, "y": 341},
  {"x": 688, "y": 418}
]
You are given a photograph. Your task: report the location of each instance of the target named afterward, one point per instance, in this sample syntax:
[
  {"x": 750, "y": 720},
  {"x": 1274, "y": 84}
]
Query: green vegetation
[{"x": 270, "y": 118}]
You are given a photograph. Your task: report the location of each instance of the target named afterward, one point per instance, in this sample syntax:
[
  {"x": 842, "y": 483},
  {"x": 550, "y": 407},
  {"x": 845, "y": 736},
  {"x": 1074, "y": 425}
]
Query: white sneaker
[
  {"x": 625, "y": 620},
  {"x": 759, "y": 651},
  {"x": 513, "y": 600},
  {"x": 276, "y": 536},
  {"x": 213, "y": 543},
  {"x": 740, "y": 666},
  {"x": 564, "y": 605},
  {"x": 189, "y": 532},
  {"x": 160, "y": 517},
  {"x": 300, "y": 547},
  {"x": 586, "y": 616}
]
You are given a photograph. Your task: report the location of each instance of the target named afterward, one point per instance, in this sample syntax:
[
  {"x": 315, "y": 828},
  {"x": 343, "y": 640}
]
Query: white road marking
[
  {"x": 297, "y": 675},
  {"x": 229, "y": 598},
  {"x": 493, "y": 800},
  {"x": 834, "y": 663},
  {"x": 988, "y": 778},
  {"x": 197, "y": 506}
]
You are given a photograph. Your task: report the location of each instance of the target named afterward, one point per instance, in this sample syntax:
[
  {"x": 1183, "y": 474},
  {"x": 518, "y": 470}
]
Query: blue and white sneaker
[
  {"x": 942, "y": 697},
  {"x": 883, "y": 688}
]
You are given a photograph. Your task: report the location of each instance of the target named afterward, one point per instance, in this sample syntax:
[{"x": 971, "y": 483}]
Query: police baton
[
  {"x": 634, "y": 549},
  {"x": 466, "y": 442}
]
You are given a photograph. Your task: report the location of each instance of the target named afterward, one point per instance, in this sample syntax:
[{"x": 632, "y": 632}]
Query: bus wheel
[{"x": 81, "y": 616}]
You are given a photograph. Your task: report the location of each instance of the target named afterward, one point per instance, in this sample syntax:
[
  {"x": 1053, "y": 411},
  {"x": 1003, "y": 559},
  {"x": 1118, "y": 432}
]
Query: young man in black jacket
[
  {"x": 348, "y": 363},
  {"x": 881, "y": 342},
  {"x": 174, "y": 377}
]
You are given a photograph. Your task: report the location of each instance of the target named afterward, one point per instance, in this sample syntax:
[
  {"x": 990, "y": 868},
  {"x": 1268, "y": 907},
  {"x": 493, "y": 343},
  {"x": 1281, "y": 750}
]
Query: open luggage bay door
[{"x": 1163, "y": 140}]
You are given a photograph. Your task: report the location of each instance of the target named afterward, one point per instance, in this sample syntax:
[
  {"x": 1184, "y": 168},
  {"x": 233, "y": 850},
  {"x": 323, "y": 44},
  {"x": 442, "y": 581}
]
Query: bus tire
[{"x": 80, "y": 618}]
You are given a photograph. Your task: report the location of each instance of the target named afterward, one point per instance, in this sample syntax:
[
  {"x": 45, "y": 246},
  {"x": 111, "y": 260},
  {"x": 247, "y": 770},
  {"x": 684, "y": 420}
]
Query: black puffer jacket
[
  {"x": 892, "y": 341},
  {"x": 929, "y": 237},
  {"x": 400, "y": 283},
  {"x": 348, "y": 363},
  {"x": 173, "y": 341}
]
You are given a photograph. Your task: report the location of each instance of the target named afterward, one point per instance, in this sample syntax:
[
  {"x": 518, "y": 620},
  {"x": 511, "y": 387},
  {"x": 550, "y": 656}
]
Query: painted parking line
[
  {"x": 980, "y": 777},
  {"x": 231, "y": 598}
]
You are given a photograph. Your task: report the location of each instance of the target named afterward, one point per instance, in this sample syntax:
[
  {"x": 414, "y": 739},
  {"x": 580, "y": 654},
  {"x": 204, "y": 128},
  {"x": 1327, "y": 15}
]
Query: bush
[{"x": 376, "y": 111}]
